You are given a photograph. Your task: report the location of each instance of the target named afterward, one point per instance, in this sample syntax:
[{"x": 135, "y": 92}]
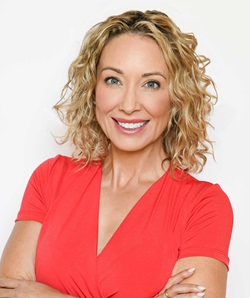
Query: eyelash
[
  {"x": 153, "y": 82},
  {"x": 110, "y": 81}
]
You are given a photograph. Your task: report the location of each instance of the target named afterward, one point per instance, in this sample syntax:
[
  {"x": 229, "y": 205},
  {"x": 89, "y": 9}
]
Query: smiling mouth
[{"x": 130, "y": 125}]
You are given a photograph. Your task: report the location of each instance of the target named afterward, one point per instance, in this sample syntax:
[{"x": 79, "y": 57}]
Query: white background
[{"x": 38, "y": 41}]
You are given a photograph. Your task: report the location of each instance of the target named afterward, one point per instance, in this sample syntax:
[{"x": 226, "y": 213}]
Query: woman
[{"x": 123, "y": 215}]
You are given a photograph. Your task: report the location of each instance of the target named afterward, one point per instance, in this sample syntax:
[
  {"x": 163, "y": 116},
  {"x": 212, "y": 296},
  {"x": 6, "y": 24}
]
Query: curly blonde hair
[{"x": 185, "y": 139}]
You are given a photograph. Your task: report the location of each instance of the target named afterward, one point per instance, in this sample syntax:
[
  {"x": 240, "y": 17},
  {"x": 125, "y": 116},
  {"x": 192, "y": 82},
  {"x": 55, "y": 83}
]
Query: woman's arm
[
  {"x": 18, "y": 259},
  {"x": 209, "y": 272},
  {"x": 17, "y": 266},
  {"x": 208, "y": 278}
]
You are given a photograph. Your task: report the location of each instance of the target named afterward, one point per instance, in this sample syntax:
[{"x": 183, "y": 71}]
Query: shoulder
[
  {"x": 206, "y": 218},
  {"x": 58, "y": 162},
  {"x": 61, "y": 169},
  {"x": 194, "y": 192},
  {"x": 65, "y": 164}
]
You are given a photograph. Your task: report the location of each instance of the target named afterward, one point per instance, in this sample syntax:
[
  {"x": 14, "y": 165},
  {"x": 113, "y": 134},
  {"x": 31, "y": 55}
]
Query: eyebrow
[
  {"x": 145, "y": 75},
  {"x": 114, "y": 69},
  {"x": 156, "y": 73}
]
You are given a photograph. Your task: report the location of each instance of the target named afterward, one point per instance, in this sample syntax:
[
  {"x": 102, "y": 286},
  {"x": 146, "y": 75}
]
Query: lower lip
[{"x": 130, "y": 131}]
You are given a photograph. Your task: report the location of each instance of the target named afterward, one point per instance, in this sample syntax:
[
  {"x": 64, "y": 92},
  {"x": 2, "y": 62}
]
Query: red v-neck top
[{"x": 172, "y": 220}]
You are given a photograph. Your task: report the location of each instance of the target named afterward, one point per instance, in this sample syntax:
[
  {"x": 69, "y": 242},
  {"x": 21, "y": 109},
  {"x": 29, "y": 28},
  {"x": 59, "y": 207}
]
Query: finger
[
  {"x": 179, "y": 277},
  {"x": 9, "y": 283},
  {"x": 6, "y": 293},
  {"x": 185, "y": 289},
  {"x": 189, "y": 295}
]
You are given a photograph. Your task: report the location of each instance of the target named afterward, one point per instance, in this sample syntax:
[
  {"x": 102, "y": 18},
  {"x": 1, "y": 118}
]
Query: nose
[{"x": 130, "y": 101}]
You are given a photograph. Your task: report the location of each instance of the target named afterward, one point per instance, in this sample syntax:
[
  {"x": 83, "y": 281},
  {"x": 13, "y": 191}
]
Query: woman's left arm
[
  {"x": 205, "y": 241},
  {"x": 209, "y": 272}
]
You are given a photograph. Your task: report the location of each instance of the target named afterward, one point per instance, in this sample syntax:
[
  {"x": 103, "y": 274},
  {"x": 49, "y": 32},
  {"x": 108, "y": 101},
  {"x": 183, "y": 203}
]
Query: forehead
[{"x": 133, "y": 50}]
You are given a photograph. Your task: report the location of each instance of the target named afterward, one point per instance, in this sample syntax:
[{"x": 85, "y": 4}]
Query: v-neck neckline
[{"x": 126, "y": 218}]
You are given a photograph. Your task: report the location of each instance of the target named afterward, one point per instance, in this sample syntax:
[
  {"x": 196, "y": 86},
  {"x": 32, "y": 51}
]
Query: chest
[
  {"x": 143, "y": 240},
  {"x": 114, "y": 207}
]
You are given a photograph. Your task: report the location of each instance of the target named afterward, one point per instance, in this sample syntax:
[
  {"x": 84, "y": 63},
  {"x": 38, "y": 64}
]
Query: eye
[
  {"x": 152, "y": 85},
  {"x": 112, "y": 81}
]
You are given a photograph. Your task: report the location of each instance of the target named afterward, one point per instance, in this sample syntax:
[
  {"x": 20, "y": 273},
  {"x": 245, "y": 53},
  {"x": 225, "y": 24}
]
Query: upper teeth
[{"x": 131, "y": 125}]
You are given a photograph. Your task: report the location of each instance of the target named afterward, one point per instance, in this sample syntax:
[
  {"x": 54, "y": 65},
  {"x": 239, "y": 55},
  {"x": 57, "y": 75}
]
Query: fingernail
[
  {"x": 201, "y": 288},
  {"x": 200, "y": 294},
  {"x": 191, "y": 270}
]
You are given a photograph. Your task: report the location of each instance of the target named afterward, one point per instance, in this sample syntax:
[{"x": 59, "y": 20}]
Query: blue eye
[
  {"x": 112, "y": 81},
  {"x": 152, "y": 85}
]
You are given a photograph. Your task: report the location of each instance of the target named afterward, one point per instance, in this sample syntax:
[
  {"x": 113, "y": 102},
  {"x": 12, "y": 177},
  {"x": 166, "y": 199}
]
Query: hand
[
  {"x": 16, "y": 288},
  {"x": 173, "y": 288}
]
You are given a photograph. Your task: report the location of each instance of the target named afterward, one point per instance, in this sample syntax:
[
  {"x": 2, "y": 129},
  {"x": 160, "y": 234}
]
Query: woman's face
[{"x": 132, "y": 92}]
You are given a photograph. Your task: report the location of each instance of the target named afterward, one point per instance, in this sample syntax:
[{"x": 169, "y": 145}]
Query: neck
[{"x": 121, "y": 168}]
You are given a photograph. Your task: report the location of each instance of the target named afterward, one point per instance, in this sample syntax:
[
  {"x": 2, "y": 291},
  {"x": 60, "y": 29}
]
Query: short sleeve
[
  {"x": 35, "y": 203},
  {"x": 208, "y": 226}
]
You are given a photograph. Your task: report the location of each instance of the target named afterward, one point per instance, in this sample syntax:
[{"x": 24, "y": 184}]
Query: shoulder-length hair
[{"x": 192, "y": 92}]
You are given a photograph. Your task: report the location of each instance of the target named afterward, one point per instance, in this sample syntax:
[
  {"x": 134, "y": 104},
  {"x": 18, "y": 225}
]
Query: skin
[
  {"x": 123, "y": 91},
  {"x": 134, "y": 94}
]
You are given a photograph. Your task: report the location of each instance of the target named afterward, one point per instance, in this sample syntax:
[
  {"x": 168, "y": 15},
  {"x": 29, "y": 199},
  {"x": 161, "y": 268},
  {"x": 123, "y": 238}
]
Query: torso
[{"x": 156, "y": 228}]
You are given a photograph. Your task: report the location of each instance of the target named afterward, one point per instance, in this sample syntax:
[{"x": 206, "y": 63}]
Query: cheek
[
  {"x": 101, "y": 104},
  {"x": 103, "y": 107},
  {"x": 103, "y": 100},
  {"x": 101, "y": 119},
  {"x": 161, "y": 108}
]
